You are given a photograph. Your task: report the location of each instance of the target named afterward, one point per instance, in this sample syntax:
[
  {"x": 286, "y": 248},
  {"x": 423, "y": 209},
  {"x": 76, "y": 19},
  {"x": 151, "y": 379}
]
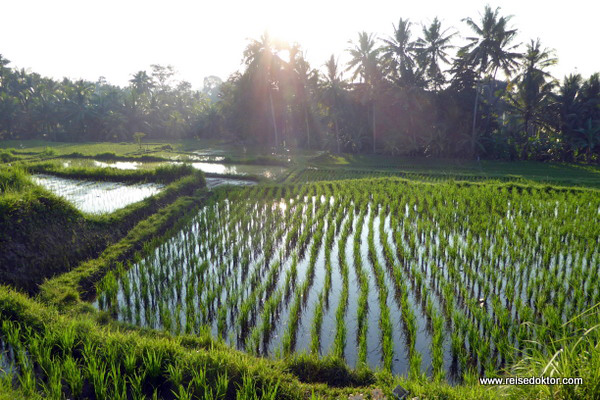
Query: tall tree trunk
[
  {"x": 307, "y": 127},
  {"x": 337, "y": 134},
  {"x": 525, "y": 148},
  {"x": 474, "y": 131},
  {"x": 273, "y": 117},
  {"x": 374, "y": 126},
  {"x": 492, "y": 93}
]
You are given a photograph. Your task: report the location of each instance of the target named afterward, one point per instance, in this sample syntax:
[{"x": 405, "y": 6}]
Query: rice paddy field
[
  {"x": 211, "y": 166},
  {"x": 97, "y": 197},
  {"x": 414, "y": 278},
  {"x": 328, "y": 277}
]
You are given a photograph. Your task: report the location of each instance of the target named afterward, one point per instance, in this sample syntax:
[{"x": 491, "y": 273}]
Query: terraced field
[{"x": 444, "y": 279}]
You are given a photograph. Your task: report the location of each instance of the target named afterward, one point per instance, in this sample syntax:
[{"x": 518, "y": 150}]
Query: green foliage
[
  {"x": 14, "y": 179},
  {"x": 137, "y": 137}
]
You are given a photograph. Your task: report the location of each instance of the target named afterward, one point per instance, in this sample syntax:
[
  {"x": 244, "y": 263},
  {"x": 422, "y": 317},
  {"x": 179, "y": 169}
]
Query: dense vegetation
[
  {"x": 404, "y": 94},
  {"x": 413, "y": 281}
]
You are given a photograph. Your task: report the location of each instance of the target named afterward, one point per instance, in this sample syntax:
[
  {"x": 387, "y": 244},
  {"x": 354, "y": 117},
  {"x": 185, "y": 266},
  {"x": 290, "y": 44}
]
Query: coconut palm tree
[
  {"x": 264, "y": 65},
  {"x": 3, "y": 63},
  {"x": 364, "y": 58},
  {"x": 302, "y": 82},
  {"x": 398, "y": 53},
  {"x": 533, "y": 97},
  {"x": 142, "y": 82},
  {"x": 332, "y": 92},
  {"x": 431, "y": 49},
  {"x": 569, "y": 110},
  {"x": 490, "y": 50},
  {"x": 78, "y": 112},
  {"x": 589, "y": 137},
  {"x": 364, "y": 63}
]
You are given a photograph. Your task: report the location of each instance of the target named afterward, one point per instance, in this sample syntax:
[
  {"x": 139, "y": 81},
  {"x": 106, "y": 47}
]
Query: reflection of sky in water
[
  {"x": 212, "y": 182},
  {"x": 239, "y": 169},
  {"x": 123, "y": 165},
  {"x": 267, "y": 171},
  {"x": 118, "y": 164},
  {"x": 97, "y": 197}
]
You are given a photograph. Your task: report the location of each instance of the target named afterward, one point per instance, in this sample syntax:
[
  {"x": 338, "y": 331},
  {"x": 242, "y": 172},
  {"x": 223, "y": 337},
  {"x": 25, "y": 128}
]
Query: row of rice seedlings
[
  {"x": 290, "y": 279},
  {"x": 288, "y": 341},
  {"x": 363, "y": 278},
  {"x": 324, "y": 294},
  {"x": 437, "y": 349},
  {"x": 316, "y": 175},
  {"x": 178, "y": 288},
  {"x": 252, "y": 303},
  {"x": 408, "y": 316},
  {"x": 268, "y": 318},
  {"x": 385, "y": 324},
  {"x": 339, "y": 343}
]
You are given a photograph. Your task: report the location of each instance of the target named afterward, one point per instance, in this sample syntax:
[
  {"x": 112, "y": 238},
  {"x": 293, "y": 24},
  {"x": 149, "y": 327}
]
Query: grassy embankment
[
  {"x": 30, "y": 254},
  {"x": 183, "y": 150}
]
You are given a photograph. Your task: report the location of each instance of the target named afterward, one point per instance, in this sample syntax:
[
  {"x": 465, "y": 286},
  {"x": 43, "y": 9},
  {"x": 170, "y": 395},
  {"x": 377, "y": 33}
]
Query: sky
[{"x": 116, "y": 38}]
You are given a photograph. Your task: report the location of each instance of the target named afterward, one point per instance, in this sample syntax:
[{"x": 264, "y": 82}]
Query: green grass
[
  {"x": 107, "y": 360},
  {"x": 162, "y": 173},
  {"x": 348, "y": 166},
  {"x": 30, "y": 254}
]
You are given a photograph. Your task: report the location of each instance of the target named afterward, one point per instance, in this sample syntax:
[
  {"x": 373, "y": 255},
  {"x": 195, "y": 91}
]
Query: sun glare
[{"x": 284, "y": 54}]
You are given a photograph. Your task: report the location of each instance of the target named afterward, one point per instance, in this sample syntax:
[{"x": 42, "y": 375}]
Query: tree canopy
[{"x": 412, "y": 91}]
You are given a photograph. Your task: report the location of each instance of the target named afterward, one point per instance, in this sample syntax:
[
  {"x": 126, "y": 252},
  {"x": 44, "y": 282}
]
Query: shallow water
[
  {"x": 97, "y": 197},
  {"x": 427, "y": 253},
  {"x": 266, "y": 171},
  {"x": 212, "y": 182}
]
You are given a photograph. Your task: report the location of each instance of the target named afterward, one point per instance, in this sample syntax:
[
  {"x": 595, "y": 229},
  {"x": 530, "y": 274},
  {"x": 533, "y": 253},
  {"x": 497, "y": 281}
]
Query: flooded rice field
[
  {"x": 394, "y": 275},
  {"x": 97, "y": 197},
  {"x": 212, "y": 182},
  {"x": 265, "y": 171}
]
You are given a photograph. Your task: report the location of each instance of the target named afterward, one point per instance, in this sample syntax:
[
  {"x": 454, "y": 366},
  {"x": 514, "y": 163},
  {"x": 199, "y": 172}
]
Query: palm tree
[
  {"x": 78, "y": 96},
  {"x": 490, "y": 50},
  {"x": 264, "y": 65},
  {"x": 3, "y": 63},
  {"x": 431, "y": 49},
  {"x": 365, "y": 64},
  {"x": 534, "y": 90},
  {"x": 302, "y": 82},
  {"x": 332, "y": 89},
  {"x": 569, "y": 109},
  {"x": 398, "y": 53},
  {"x": 142, "y": 83},
  {"x": 590, "y": 137},
  {"x": 364, "y": 59}
]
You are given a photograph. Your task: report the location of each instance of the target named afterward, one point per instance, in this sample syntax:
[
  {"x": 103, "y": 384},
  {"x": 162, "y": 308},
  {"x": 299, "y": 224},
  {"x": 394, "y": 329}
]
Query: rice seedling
[
  {"x": 445, "y": 254},
  {"x": 72, "y": 375}
]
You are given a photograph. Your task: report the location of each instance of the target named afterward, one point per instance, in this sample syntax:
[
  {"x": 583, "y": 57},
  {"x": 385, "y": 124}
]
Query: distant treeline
[{"x": 492, "y": 98}]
